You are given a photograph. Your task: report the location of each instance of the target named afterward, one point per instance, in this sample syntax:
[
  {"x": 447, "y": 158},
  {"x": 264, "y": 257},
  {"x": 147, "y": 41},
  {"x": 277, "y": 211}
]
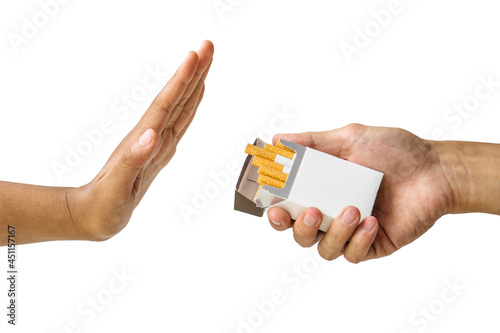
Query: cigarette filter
[
  {"x": 280, "y": 145},
  {"x": 258, "y": 161},
  {"x": 279, "y": 151},
  {"x": 266, "y": 180},
  {"x": 273, "y": 173},
  {"x": 268, "y": 155}
]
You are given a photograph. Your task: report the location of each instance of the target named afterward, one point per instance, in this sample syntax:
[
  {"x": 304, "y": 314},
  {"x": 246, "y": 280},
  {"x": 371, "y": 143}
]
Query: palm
[
  {"x": 413, "y": 193},
  {"x": 117, "y": 190}
]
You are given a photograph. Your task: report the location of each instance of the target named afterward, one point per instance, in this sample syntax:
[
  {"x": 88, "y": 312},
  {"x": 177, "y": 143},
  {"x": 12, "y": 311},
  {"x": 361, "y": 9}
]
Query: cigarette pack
[{"x": 315, "y": 179}]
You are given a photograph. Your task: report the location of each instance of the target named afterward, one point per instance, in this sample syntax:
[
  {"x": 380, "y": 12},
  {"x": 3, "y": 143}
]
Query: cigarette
[
  {"x": 258, "y": 161},
  {"x": 265, "y": 180},
  {"x": 257, "y": 151},
  {"x": 280, "y": 145},
  {"x": 273, "y": 173},
  {"x": 274, "y": 163},
  {"x": 279, "y": 151},
  {"x": 269, "y": 155}
]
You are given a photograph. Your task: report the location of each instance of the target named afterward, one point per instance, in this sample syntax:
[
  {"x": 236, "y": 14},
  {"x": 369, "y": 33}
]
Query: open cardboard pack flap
[{"x": 316, "y": 179}]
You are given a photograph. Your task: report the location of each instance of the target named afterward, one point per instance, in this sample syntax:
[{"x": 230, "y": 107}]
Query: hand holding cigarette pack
[{"x": 294, "y": 177}]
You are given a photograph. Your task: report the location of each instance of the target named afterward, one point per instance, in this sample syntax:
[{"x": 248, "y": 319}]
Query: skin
[
  {"x": 423, "y": 180},
  {"x": 102, "y": 208}
]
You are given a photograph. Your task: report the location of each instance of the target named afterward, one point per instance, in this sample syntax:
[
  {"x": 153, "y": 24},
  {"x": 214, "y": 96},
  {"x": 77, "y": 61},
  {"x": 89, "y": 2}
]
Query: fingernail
[
  {"x": 348, "y": 217},
  {"x": 310, "y": 220},
  {"x": 368, "y": 225},
  {"x": 276, "y": 223},
  {"x": 146, "y": 138}
]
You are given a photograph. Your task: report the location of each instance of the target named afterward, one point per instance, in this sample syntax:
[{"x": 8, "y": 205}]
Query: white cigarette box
[{"x": 316, "y": 179}]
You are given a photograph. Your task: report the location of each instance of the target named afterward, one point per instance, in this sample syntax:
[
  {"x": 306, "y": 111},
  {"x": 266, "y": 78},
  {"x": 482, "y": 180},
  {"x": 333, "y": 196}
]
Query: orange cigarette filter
[
  {"x": 266, "y": 180},
  {"x": 259, "y": 161},
  {"x": 279, "y": 151},
  {"x": 257, "y": 151},
  {"x": 280, "y": 145},
  {"x": 273, "y": 173},
  {"x": 270, "y": 172}
]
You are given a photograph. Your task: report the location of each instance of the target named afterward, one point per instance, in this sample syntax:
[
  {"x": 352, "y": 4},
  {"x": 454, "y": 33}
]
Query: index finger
[
  {"x": 337, "y": 142},
  {"x": 279, "y": 218}
]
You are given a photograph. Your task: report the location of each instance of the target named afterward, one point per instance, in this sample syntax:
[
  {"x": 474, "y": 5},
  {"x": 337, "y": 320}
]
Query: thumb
[
  {"x": 338, "y": 142},
  {"x": 303, "y": 139},
  {"x": 123, "y": 174}
]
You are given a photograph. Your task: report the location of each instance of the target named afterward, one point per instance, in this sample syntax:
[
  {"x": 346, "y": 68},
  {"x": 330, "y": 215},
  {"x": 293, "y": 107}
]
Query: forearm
[
  {"x": 473, "y": 170},
  {"x": 39, "y": 213}
]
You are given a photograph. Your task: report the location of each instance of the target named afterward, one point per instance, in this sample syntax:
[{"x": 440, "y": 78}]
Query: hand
[
  {"x": 414, "y": 193},
  {"x": 103, "y": 207}
]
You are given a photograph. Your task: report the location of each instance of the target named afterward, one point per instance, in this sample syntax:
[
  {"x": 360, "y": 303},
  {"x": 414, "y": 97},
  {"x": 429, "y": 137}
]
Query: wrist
[
  {"x": 96, "y": 216},
  {"x": 80, "y": 212},
  {"x": 471, "y": 169},
  {"x": 454, "y": 169}
]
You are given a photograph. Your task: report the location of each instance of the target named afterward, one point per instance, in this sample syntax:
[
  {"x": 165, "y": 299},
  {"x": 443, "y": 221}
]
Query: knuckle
[
  {"x": 302, "y": 241},
  {"x": 162, "y": 103},
  {"x": 336, "y": 238},
  {"x": 327, "y": 255},
  {"x": 127, "y": 157},
  {"x": 183, "y": 101},
  {"x": 189, "y": 109},
  {"x": 307, "y": 244},
  {"x": 355, "y": 131},
  {"x": 298, "y": 239},
  {"x": 354, "y": 127},
  {"x": 353, "y": 259}
]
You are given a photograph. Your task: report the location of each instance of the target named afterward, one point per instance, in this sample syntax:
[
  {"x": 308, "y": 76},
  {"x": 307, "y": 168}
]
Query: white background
[{"x": 206, "y": 273}]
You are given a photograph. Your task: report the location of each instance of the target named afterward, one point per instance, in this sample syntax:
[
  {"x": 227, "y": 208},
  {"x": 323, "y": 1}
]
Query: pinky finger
[{"x": 360, "y": 246}]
